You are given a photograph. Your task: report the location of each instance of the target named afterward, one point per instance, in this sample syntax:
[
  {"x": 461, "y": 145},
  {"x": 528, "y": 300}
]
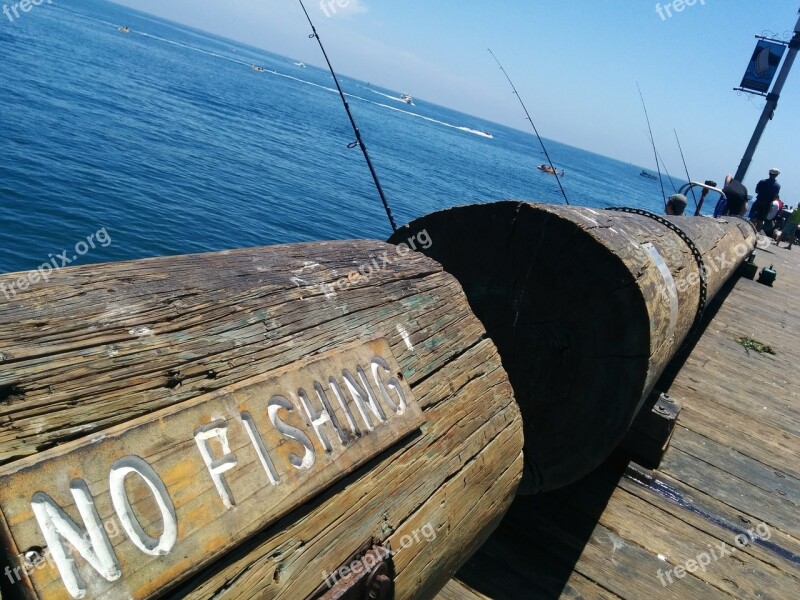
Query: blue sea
[{"x": 168, "y": 141}]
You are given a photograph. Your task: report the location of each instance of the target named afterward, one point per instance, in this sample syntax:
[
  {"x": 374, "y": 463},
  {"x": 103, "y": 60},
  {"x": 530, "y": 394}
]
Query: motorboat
[{"x": 551, "y": 170}]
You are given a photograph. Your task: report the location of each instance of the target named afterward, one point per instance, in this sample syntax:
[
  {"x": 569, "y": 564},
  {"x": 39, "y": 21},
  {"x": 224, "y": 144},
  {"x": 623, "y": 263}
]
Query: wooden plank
[
  {"x": 735, "y": 463},
  {"x": 618, "y": 564},
  {"x": 159, "y": 347},
  {"x": 758, "y": 440},
  {"x": 712, "y": 380},
  {"x": 719, "y": 520},
  {"x": 732, "y": 490},
  {"x": 677, "y": 542},
  {"x": 579, "y": 587}
]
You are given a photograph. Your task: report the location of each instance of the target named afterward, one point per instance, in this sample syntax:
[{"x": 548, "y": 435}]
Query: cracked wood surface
[{"x": 100, "y": 347}]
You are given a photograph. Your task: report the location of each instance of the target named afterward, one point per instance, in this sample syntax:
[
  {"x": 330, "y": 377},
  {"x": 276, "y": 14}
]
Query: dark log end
[{"x": 557, "y": 305}]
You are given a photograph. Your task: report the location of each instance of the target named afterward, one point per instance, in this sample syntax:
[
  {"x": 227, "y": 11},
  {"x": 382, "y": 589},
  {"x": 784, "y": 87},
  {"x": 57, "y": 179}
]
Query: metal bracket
[
  {"x": 368, "y": 575},
  {"x": 651, "y": 431}
]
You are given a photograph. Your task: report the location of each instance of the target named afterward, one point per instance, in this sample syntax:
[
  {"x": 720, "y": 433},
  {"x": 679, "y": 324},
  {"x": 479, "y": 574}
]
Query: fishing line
[
  {"x": 663, "y": 164},
  {"x": 653, "y": 141},
  {"x": 685, "y": 167},
  {"x": 359, "y": 140},
  {"x": 558, "y": 179}
]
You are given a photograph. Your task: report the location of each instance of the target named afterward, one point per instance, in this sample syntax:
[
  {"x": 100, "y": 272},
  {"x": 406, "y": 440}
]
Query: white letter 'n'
[{"x": 93, "y": 544}]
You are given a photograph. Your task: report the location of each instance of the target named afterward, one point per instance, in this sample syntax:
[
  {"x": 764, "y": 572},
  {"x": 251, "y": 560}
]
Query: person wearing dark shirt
[
  {"x": 766, "y": 191},
  {"x": 736, "y": 193}
]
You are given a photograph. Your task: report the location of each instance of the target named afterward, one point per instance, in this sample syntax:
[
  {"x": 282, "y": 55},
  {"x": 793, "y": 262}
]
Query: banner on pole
[{"x": 763, "y": 66}]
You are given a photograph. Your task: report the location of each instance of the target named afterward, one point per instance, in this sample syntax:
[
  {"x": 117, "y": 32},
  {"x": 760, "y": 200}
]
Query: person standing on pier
[
  {"x": 736, "y": 193},
  {"x": 790, "y": 229},
  {"x": 766, "y": 191},
  {"x": 780, "y": 221},
  {"x": 770, "y": 224}
]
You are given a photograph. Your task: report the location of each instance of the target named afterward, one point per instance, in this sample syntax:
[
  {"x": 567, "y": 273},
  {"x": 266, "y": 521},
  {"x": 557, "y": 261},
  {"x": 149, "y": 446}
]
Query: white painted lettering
[
  {"x": 337, "y": 391},
  {"x": 364, "y": 397},
  {"x": 309, "y": 458},
  {"x": 261, "y": 450},
  {"x": 321, "y": 417},
  {"x": 133, "y": 465},
  {"x": 93, "y": 544},
  {"x": 217, "y": 467},
  {"x": 377, "y": 364}
]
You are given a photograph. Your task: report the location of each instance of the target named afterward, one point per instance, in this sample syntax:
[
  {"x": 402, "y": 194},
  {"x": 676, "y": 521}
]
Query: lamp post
[{"x": 772, "y": 104}]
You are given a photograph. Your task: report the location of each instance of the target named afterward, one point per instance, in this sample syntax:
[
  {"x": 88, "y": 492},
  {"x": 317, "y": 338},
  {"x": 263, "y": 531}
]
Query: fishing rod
[
  {"x": 513, "y": 87},
  {"x": 359, "y": 140},
  {"x": 685, "y": 167},
  {"x": 653, "y": 141},
  {"x": 669, "y": 177}
]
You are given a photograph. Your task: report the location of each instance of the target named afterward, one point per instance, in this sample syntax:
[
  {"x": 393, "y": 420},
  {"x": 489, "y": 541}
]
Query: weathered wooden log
[
  {"x": 241, "y": 424},
  {"x": 586, "y": 308}
]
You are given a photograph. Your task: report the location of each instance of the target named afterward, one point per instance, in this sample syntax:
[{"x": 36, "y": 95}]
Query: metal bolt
[
  {"x": 33, "y": 555},
  {"x": 379, "y": 585}
]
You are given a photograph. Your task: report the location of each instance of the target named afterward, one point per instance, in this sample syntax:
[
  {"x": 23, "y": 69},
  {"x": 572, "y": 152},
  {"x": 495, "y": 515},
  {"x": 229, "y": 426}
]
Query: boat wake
[
  {"x": 482, "y": 134},
  {"x": 477, "y": 132},
  {"x": 485, "y": 134},
  {"x": 404, "y": 100},
  {"x": 390, "y": 97}
]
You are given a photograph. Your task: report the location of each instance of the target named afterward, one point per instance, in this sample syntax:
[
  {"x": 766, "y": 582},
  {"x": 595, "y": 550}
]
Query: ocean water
[{"x": 165, "y": 141}]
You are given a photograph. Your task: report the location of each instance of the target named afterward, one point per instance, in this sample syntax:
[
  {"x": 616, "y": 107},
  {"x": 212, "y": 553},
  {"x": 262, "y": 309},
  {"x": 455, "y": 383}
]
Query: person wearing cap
[
  {"x": 676, "y": 204},
  {"x": 766, "y": 191}
]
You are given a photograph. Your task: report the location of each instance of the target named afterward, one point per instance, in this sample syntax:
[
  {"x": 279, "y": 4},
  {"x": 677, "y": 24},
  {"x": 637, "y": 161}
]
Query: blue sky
[{"x": 575, "y": 64}]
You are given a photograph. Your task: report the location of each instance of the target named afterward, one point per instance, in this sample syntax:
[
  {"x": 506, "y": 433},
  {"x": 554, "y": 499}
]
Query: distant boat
[
  {"x": 125, "y": 29},
  {"x": 408, "y": 99},
  {"x": 257, "y": 68},
  {"x": 647, "y": 175},
  {"x": 302, "y": 65},
  {"x": 551, "y": 170}
]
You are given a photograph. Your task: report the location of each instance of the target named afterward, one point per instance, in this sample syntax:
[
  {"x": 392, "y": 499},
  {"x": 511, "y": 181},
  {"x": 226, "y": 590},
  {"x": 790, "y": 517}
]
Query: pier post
[
  {"x": 772, "y": 104},
  {"x": 586, "y": 307}
]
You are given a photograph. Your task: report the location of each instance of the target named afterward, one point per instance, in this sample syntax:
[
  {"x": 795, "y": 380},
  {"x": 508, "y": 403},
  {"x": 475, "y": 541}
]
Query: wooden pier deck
[{"x": 733, "y": 465}]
